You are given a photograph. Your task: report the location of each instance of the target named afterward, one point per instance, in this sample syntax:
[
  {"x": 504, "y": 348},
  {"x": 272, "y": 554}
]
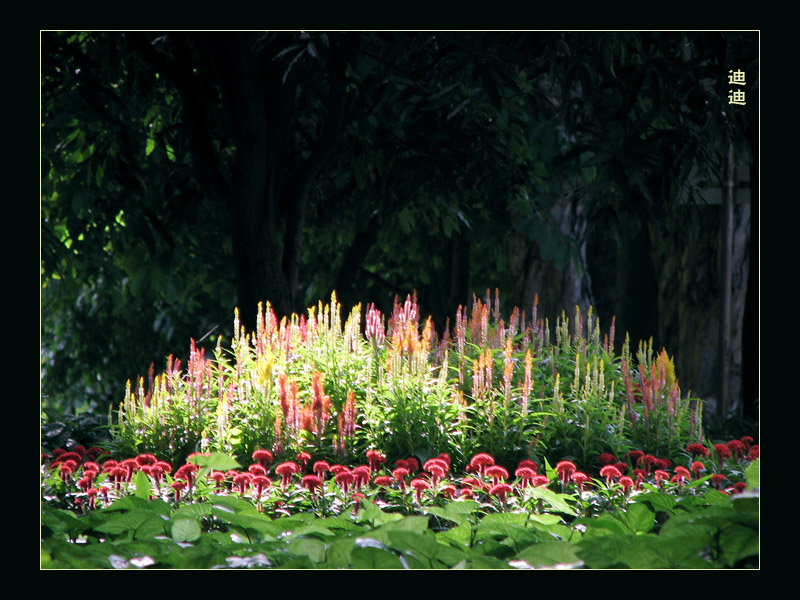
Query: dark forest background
[{"x": 186, "y": 173}]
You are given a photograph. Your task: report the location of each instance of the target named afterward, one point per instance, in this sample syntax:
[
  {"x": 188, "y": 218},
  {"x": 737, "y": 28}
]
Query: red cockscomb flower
[
  {"x": 412, "y": 464},
  {"x": 263, "y": 457},
  {"x": 541, "y": 481},
  {"x": 399, "y": 475},
  {"x": 187, "y": 472},
  {"x": 564, "y": 469},
  {"x": 419, "y": 485},
  {"x": 242, "y": 480},
  {"x": 681, "y": 474},
  {"x": 375, "y": 459},
  {"x": 473, "y": 482},
  {"x": 286, "y": 470},
  {"x": 131, "y": 466},
  {"x": 435, "y": 462},
  {"x": 647, "y": 460},
  {"x": 660, "y": 476},
  {"x": 436, "y": 471},
  {"x": 626, "y": 483},
  {"x": 528, "y": 464},
  {"x": 525, "y": 475},
  {"x": 737, "y": 448},
  {"x": 257, "y": 469},
  {"x": 311, "y": 483},
  {"x": 260, "y": 482},
  {"x": 362, "y": 475},
  {"x": 497, "y": 473},
  {"x": 65, "y": 470},
  {"x": 697, "y": 449},
  {"x": 90, "y": 465},
  {"x": 345, "y": 479},
  {"x": 320, "y": 468},
  {"x": 610, "y": 472},
  {"x": 635, "y": 455},
  {"x": 622, "y": 467},
  {"x": 218, "y": 477},
  {"x": 92, "y": 494},
  {"x": 697, "y": 467},
  {"x": 607, "y": 459},
  {"x": 383, "y": 481},
  {"x": 747, "y": 440},
  {"x": 739, "y": 487},
  {"x": 579, "y": 478},
  {"x": 752, "y": 454},
  {"x": 722, "y": 452},
  {"x": 146, "y": 459},
  {"x": 178, "y": 485},
  {"x": 480, "y": 461},
  {"x": 717, "y": 480},
  {"x": 501, "y": 490},
  {"x": 161, "y": 464},
  {"x": 450, "y": 491},
  {"x": 303, "y": 458}
]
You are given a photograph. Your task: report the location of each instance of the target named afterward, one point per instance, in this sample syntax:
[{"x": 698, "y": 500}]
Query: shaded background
[{"x": 185, "y": 173}]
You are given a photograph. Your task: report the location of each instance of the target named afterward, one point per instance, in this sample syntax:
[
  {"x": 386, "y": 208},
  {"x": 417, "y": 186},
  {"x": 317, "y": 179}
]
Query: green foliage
[{"x": 228, "y": 532}]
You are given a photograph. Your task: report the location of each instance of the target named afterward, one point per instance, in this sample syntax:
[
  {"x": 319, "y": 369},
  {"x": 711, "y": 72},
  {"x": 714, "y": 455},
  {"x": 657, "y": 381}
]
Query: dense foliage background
[{"x": 184, "y": 174}]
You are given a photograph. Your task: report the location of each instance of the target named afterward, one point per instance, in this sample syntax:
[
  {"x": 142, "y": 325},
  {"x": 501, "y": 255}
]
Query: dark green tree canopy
[{"x": 185, "y": 173}]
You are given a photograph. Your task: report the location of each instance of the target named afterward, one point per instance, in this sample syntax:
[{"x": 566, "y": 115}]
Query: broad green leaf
[
  {"x": 128, "y": 503},
  {"x": 310, "y": 547},
  {"x": 185, "y": 530},
  {"x": 374, "y": 558},
  {"x": 339, "y": 552},
  {"x": 555, "y": 500},
  {"x": 460, "y": 535},
  {"x": 738, "y": 542},
  {"x": 637, "y": 518},
  {"x": 372, "y": 513},
  {"x": 235, "y": 504},
  {"x": 133, "y": 520},
  {"x": 545, "y": 519},
  {"x": 602, "y": 552},
  {"x": 658, "y": 501},
  {"x": 424, "y": 545},
  {"x": 601, "y": 525},
  {"x": 548, "y": 554},
  {"x": 216, "y": 461},
  {"x": 192, "y": 511},
  {"x": 457, "y": 512},
  {"x": 143, "y": 486}
]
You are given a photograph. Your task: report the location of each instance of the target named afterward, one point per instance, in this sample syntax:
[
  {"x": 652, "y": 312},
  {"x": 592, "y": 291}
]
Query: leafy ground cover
[
  {"x": 640, "y": 512},
  {"x": 318, "y": 442}
]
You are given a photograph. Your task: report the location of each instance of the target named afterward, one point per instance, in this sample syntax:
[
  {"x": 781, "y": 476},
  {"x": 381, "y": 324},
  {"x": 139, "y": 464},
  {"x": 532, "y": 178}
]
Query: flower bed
[
  {"x": 139, "y": 512},
  {"x": 315, "y": 442}
]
